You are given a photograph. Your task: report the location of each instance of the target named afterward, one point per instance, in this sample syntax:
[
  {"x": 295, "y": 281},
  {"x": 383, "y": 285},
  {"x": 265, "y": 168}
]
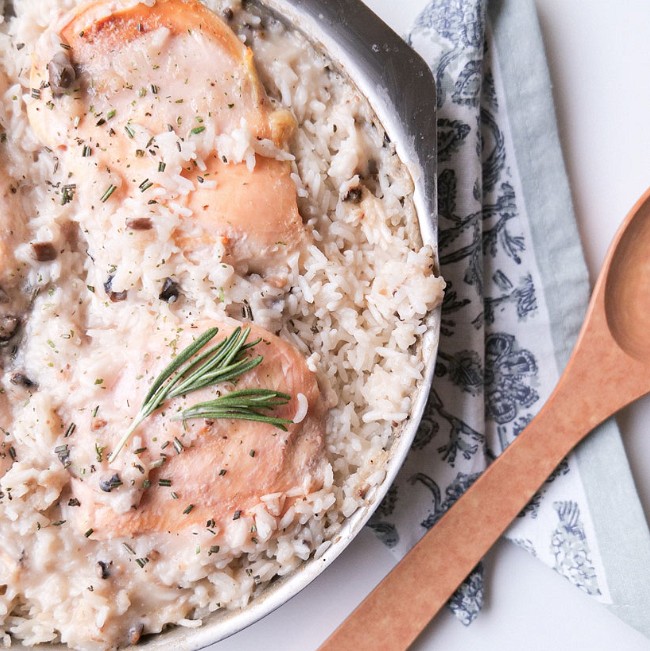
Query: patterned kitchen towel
[{"x": 517, "y": 288}]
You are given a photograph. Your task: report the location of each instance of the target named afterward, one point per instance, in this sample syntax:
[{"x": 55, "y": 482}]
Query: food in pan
[{"x": 213, "y": 296}]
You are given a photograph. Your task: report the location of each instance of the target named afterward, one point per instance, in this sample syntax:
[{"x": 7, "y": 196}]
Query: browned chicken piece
[
  {"x": 126, "y": 73},
  {"x": 254, "y": 230},
  {"x": 223, "y": 467}
]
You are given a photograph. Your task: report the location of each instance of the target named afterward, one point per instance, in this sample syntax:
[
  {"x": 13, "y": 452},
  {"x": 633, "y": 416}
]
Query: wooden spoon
[{"x": 609, "y": 368}]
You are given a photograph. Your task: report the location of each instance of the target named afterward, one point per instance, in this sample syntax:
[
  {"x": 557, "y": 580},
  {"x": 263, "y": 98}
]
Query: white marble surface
[{"x": 599, "y": 56}]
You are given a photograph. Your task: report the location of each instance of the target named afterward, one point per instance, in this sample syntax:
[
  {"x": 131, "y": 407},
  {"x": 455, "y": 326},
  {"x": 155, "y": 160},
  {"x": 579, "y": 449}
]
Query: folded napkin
[{"x": 517, "y": 289}]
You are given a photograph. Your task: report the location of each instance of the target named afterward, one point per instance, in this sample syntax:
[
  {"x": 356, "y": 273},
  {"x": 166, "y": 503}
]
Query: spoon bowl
[
  {"x": 609, "y": 368},
  {"x": 627, "y": 289}
]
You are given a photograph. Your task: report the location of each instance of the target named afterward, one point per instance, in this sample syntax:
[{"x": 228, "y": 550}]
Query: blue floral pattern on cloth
[
  {"x": 494, "y": 332},
  {"x": 570, "y": 548}
]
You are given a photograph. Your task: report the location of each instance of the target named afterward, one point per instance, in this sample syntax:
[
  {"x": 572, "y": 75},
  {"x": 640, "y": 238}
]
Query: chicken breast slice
[
  {"x": 157, "y": 65},
  {"x": 255, "y": 230},
  {"x": 113, "y": 77},
  {"x": 211, "y": 470}
]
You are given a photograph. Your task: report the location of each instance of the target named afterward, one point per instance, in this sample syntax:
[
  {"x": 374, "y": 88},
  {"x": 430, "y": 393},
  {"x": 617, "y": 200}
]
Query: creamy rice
[{"x": 354, "y": 305}]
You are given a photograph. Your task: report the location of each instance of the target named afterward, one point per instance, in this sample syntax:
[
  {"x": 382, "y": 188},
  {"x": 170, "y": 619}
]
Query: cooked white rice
[{"x": 355, "y": 306}]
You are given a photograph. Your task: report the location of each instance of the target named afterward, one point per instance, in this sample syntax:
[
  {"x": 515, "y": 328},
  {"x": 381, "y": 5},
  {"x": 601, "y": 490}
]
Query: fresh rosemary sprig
[
  {"x": 193, "y": 369},
  {"x": 246, "y": 404}
]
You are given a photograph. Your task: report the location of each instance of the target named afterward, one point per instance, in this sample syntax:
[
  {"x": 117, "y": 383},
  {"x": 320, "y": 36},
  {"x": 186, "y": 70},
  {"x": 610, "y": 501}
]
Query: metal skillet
[{"x": 401, "y": 91}]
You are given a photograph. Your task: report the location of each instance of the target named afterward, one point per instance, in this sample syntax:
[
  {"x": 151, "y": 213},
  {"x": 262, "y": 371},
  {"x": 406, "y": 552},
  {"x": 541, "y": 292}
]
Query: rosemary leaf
[
  {"x": 247, "y": 404},
  {"x": 194, "y": 369},
  {"x": 105, "y": 197},
  {"x": 179, "y": 360}
]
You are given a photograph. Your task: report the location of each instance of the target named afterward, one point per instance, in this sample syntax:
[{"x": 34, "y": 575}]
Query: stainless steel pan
[{"x": 401, "y": 90}]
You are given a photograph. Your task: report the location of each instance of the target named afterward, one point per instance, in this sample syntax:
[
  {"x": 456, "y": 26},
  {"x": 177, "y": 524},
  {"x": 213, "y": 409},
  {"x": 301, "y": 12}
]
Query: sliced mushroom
[
  {"x": 9, "y": 325},
  {"x": 171, "y": 291},
  {"x": 61, "y": 73},
  {"x": 44, "y": 251},
  {"x": 115, "y": 297},
  {"x": 21, "y": 380}
]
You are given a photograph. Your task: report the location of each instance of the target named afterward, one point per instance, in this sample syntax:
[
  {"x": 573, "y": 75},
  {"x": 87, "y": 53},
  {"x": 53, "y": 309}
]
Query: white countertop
[{"x": 599, "y": 57}]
